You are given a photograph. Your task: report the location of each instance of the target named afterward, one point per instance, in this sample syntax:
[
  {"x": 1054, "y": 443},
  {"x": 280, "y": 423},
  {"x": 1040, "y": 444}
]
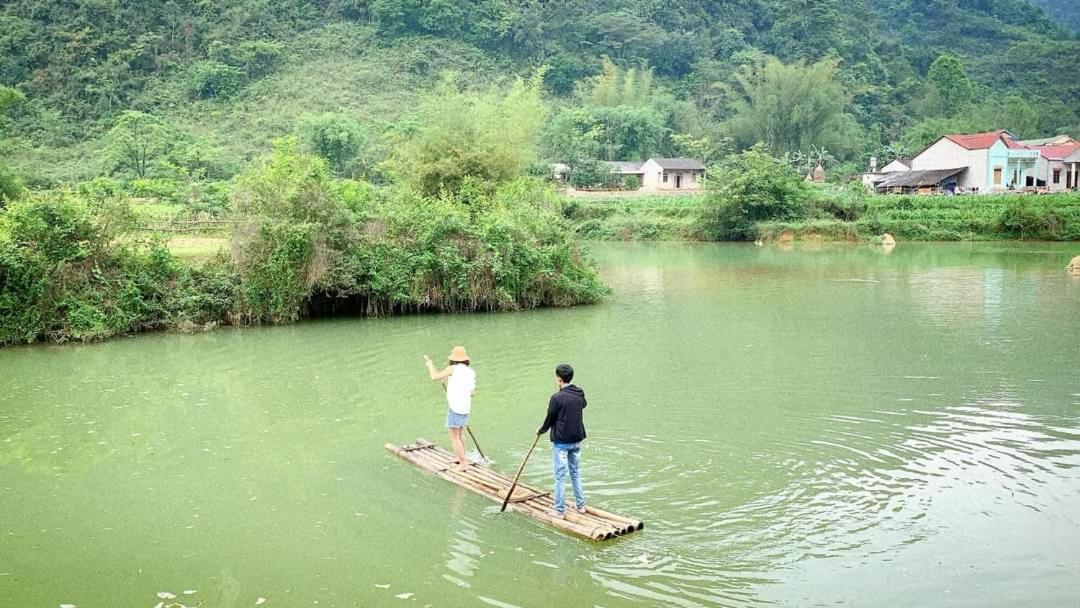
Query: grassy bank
[
  {"x": 637, "y": 217},
  {"x": 297, "y": 243},
  {"x": 841, "y": 215}
]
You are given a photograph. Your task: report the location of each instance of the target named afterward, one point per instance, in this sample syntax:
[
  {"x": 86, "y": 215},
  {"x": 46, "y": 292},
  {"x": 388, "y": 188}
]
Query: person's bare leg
[{"x": 459, "y": 448}]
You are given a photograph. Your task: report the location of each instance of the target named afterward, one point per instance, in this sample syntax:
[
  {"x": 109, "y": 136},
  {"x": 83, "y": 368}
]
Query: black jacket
[{"x": 564, "y": 415}]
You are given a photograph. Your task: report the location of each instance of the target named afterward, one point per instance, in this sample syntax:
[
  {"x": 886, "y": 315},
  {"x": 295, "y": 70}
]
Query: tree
[
  {"x": 754, "y": 187},
  {"x": 925, "y": 132},
  {"x": 791, "y": 107},
  {"x": 948, "y": 89},
  {"x": 10, "y": 185},
  {"x": 1018, "y": 117},
  {"x": 137, "y": 140},
  {"x": 335, "y": 137},
  {"x": 9, "y": 97},
  {"x": 488, "y": 135}
]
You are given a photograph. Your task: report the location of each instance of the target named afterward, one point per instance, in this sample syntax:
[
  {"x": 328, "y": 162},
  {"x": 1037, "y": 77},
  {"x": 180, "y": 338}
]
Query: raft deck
[{"x": 594, "y": 524}]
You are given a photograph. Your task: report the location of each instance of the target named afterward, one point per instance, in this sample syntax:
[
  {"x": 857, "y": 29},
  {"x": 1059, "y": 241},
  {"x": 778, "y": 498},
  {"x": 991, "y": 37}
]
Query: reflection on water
[{"x": 795, "y": 427}]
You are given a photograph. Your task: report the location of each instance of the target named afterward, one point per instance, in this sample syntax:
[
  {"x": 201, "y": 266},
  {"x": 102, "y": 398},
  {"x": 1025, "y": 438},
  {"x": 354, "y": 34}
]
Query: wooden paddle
[{"x": 518, "y": 476}]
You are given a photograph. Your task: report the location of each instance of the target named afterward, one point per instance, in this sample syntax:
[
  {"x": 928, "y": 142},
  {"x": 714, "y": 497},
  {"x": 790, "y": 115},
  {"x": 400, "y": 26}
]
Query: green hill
[
  {"x": 1065, "y": 12},
  {"x": 228, "y": 77}
]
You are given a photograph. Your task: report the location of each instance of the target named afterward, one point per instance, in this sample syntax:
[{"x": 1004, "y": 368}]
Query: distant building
[
  {"x": 983, "y": 162},
  {"x": 875, "y": 175},
  {"x": 1052, "y": 172},
  {"x": 900, "y": 164},
  {"x": 664, "y": 174},
  {"x": 1059, "y": 140},
  {"x": 992, "y": 162},
  {"x": 1072, "y": 171}
]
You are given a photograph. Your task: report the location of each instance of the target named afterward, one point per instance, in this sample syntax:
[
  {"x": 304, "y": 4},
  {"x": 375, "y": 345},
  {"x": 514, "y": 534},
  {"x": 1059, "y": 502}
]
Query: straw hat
[{"x": 459, "y": 354}]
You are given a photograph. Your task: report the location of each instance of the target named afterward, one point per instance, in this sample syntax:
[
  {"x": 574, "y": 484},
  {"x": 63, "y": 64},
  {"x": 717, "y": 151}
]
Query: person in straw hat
[{"x": 460, "y": 387}]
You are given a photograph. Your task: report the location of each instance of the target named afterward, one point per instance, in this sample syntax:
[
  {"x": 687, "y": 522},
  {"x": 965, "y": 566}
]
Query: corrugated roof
[
  {"x": 687, "y": 164},
  {"x": 915, "y": 179},
  {"x": 626, "y": 166},
  {"x": 1059, "y": 140}
]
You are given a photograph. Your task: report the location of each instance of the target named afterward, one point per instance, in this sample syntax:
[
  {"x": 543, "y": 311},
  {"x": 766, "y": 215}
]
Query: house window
[
  {"x": 997, "y": 176},
  {"x": 665, "y": 178},
  {"x": 1057, "y": 176}
]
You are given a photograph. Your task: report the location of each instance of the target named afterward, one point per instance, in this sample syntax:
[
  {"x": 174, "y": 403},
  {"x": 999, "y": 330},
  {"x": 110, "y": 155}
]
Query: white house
[
  {"x": 994, "y": 161},
  {"x": 664, "y": 174},
  {"x": 1052, "y": 173},
  {"x": 875, "y": 175},
  {"x": 1072, "y": 170}
]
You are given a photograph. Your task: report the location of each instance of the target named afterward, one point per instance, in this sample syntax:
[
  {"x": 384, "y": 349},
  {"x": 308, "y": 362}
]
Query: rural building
[
  {"x": 1052, "y": 172},
  {"x": 1072, "y": 170},
  {"x": 920, "y": 181},
  {"x": 664, "y": 174},
  {"x": 899, "y": 164},
  {"x": 875, "y": 175},
  {"x": 983, "y": 163},
  {"x": 995, "y": 161}
]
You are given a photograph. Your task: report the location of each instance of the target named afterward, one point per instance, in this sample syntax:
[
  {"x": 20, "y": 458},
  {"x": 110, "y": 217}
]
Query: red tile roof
[
  {"x": 981, "y": 141},
  {"x": 1057, "y": 152}
]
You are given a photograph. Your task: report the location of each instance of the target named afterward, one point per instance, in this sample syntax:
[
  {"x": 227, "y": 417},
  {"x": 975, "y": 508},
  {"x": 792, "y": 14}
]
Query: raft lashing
[{"x": 594, "y": 524}]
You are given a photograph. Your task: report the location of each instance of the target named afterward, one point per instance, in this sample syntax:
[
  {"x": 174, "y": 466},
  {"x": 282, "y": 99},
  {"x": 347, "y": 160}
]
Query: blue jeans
[{"x": 565, "y": 456}]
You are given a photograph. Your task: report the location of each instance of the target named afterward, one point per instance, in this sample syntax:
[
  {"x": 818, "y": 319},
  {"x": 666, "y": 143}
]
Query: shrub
[
  {"x": 66, "y": 272},
  {"x": 593, "y": 173},
  {"x": 11, "y": 187},
  {"x": 210, "y": 79},
  {"x": 754, "y": 187},
  {"x": 335, "y": 137}
]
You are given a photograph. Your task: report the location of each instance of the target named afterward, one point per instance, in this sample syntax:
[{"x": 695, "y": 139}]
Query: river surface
[{"x": 817, "y": 426}]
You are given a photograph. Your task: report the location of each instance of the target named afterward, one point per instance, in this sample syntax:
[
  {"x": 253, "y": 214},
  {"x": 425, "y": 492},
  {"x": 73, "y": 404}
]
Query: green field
[{"x": 843, "y": 216}]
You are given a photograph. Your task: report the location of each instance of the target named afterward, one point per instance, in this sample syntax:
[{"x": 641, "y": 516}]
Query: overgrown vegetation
[{"x": 76, "y": 266}]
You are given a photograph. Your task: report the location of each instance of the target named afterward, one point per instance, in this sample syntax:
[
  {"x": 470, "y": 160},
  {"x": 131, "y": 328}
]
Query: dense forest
[{"x": 218, "y": 81}]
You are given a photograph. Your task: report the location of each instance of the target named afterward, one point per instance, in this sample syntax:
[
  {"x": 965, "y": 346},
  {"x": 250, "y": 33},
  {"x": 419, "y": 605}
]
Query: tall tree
[
  {"x": 790, "y": 108},
  {"x": 489, "y": 135},
  {"x": 948, "y": 89},
  {"x": 137, "y": 140}
]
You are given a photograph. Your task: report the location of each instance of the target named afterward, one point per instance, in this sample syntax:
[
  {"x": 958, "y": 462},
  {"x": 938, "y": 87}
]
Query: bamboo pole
[{"x": 520, "y": 469}]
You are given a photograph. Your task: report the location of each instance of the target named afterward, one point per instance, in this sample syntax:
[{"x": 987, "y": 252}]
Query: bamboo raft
[{"x": 594, "y": 524}]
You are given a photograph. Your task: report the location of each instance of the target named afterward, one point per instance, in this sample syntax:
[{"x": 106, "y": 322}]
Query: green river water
[{"x": 829, "y": 426}]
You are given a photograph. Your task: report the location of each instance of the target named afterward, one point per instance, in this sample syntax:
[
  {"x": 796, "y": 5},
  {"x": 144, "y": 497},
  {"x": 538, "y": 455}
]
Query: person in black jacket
[{"x": 565, "y": 420}]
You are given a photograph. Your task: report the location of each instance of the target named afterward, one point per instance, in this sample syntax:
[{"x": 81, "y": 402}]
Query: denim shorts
[{"x": 455, "y": 420}]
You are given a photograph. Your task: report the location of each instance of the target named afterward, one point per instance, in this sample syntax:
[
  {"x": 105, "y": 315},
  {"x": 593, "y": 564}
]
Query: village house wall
[{"x": 947, "y": 154}]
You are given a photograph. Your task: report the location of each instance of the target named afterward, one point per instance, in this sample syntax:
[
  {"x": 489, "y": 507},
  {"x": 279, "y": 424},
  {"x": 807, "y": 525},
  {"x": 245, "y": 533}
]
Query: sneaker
[
  {"x": 580, "y": 509},
  {"x": 558, "y": 514}
]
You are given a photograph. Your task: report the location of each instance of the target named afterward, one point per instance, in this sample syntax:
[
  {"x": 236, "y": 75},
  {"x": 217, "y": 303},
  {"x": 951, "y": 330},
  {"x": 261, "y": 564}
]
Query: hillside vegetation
[{"x": 226, "y": 78}]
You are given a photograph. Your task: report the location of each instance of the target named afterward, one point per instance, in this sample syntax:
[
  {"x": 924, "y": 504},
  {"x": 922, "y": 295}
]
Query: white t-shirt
[{"x": 459, "y": 388}]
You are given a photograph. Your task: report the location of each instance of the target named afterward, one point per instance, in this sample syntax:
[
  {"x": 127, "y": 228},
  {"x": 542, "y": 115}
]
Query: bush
[
  {"x": 11, "y": 187},
  {"x": 210, "y": 79},
  {"x": 159, "y": 188},
  {"x": 593, "y": 173},
  {"x": 65, "y": 272},
  {"x": 754, "y": 187},
  {"x": 335, "y": 137}
]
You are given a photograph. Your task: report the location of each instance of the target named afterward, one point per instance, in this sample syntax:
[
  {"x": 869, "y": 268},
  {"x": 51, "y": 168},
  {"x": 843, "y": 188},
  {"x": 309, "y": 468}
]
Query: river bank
[
  {"x": 841, "y": 215},
  {"x": 301, "y": 244}
]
